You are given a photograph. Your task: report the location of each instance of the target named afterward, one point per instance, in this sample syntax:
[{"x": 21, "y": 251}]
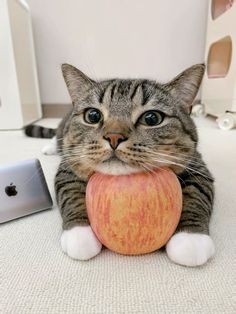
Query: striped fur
[
  {"x": 39, "y": 131},
  {"x": 172, "y": 143}
]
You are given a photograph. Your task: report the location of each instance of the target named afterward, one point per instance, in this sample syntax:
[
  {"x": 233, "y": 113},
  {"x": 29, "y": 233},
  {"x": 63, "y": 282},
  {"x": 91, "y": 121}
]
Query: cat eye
[
  {"x": 92, "y": 116},
  {"x": 151, "y": 118}
]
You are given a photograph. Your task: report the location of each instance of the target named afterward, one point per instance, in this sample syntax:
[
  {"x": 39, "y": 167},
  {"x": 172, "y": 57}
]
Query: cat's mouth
[
  {"x": 114, "y": 165},
  {"x": 114, "y": 158}
]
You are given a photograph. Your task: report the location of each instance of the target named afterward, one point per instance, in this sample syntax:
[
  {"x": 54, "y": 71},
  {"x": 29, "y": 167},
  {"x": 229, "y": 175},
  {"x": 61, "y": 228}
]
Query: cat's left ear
[{"x": 185, "y": 86}]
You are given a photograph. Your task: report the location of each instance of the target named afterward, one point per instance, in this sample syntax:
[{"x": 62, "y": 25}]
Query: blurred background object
[
  {"x": 19, "y": 93},
  {"x": 219, "y": 83}
]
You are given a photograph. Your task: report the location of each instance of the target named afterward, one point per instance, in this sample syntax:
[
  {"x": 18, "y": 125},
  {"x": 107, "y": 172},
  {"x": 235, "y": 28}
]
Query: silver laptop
[{"x": 23, "y": 190}]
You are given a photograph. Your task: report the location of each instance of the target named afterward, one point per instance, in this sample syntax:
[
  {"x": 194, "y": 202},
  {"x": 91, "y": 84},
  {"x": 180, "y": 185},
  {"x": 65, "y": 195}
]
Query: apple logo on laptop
[{"x": 11, "y": 190}]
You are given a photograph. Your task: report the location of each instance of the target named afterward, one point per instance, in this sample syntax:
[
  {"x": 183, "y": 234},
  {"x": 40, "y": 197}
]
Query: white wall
[{"x": 121, "y": 38}]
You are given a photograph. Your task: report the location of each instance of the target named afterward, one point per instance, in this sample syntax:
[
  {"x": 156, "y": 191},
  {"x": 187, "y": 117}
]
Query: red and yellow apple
[{"x": 134, "y": 214}]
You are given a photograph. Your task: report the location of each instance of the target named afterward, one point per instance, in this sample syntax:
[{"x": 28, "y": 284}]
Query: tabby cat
[{"x": 124, "y": 126}]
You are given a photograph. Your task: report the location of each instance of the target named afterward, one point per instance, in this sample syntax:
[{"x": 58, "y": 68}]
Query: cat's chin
[{"x": 116, "y": 168}]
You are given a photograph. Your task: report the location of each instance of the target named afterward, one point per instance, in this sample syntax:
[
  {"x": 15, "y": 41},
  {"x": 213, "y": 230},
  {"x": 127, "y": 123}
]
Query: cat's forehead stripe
[
  {"x": 133, "y": 92},
  {"x": 148, "y": 92},
  {"x": 129, "y": 90},
  {"x": 122, "y": 96},
  {"x": 113, "y": 90}
]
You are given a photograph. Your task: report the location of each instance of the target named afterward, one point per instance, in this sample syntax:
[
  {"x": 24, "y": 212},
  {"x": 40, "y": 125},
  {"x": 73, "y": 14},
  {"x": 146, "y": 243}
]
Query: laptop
[{"x": 23, "y": 190}]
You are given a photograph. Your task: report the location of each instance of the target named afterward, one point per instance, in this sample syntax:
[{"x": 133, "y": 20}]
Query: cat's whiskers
[
  {"x": 75, "y": 155},
  {"x": 173, "y": 144},
  {"x": 149, "y": 167},
  {"x": 146, "y": 168},
  {"x": 187, "y": 160},
  {"x": 181, "y": 162},
  {"x": 174, "y": 154},
  {"x": 183, "y": 166}
]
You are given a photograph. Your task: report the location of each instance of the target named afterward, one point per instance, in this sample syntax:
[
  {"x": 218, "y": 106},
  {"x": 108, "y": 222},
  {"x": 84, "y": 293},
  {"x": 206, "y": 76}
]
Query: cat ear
[
  {"x": 77, "y": 82},
  {"x": 185, "y": 86}
]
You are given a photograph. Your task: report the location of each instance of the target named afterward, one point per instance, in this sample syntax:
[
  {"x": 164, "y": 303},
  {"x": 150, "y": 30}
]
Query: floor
[{"x": 36, "y": 277}]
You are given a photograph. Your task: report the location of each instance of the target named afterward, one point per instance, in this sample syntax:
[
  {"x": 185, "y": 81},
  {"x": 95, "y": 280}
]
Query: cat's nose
[{"x": 114, "y": 139}]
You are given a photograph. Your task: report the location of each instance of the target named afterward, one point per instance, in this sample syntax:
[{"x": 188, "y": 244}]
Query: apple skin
[{"x": 134, "y": 214}]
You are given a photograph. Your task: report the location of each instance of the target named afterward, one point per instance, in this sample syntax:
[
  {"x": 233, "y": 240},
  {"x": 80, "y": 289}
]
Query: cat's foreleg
[
  {"x": 191, "y": 244},
  {"x": 77, "y": 240},
  {"x": 51, "y": 148}
]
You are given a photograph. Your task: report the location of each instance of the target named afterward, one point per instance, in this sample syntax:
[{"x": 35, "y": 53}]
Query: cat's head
[{"x": 122, "y": 126}]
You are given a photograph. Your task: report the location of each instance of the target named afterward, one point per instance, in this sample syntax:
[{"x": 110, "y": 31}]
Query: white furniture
[
  {"x": 219, "y": 82},
  {"x": 19, "y": 93}
]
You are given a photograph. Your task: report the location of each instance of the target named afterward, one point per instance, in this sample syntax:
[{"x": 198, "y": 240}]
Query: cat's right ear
[
  {"x": 185, "y": 86},
  {"x": 77, "y": 82}
]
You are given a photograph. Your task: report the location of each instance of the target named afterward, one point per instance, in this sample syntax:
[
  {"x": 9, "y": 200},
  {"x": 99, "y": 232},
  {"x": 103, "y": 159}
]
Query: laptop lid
[{"x": 23, "y": 189}]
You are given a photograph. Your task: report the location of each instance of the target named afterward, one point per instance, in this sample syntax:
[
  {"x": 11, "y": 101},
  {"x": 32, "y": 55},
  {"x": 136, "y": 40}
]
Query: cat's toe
[
  {"x": 190, "y": 249},
  {"x": 80, "y": 243},
  {"x": 50, "y": 149}
]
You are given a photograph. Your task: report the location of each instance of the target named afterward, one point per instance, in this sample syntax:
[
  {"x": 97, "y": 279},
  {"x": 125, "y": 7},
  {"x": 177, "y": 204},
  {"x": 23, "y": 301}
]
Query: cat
[{"x": 123, "y": 126}]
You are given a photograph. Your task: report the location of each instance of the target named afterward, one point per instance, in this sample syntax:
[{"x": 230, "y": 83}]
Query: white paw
[
  {"x": 80, "y": 243},
  {"x": 50, "y": 149},
  {"x": 190, "y": 249}
]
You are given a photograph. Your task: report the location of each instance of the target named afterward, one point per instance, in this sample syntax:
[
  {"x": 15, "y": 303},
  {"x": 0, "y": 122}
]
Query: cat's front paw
[
  {"x": 190, "y": 249},
  {"x": 80, "y": 243},
  {"x": 51, "y": 148}
]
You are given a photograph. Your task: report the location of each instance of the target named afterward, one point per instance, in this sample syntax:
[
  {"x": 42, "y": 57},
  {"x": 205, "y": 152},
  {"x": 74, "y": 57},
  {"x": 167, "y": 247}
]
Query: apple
[{"x": 134, "y": 214}]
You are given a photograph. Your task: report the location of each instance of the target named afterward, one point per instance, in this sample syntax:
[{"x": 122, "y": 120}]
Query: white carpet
[{"x": 36, "y": 277}]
